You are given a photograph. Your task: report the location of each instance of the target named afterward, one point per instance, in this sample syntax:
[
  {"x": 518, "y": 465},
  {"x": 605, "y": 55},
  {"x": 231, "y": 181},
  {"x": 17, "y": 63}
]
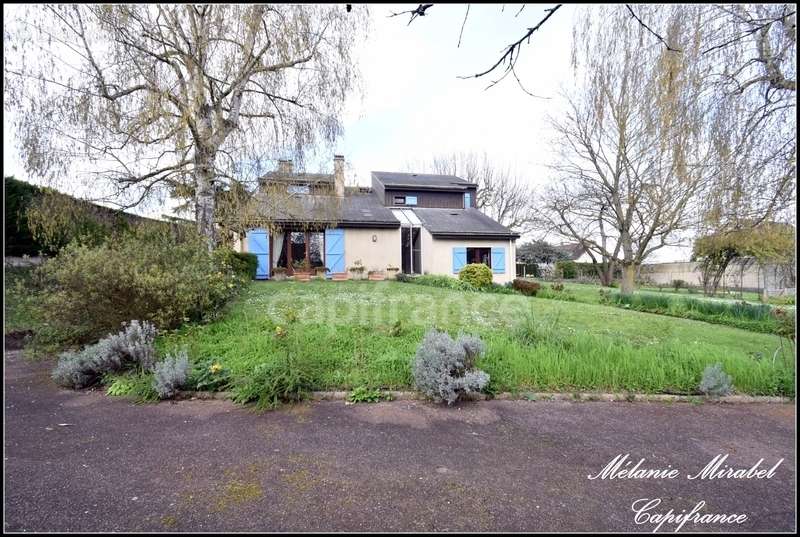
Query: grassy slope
[{"x": 347, "y": 333}]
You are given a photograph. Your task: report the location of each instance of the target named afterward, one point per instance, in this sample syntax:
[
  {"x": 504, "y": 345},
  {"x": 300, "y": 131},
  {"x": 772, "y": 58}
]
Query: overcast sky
[{"x": 415, "y": 106}]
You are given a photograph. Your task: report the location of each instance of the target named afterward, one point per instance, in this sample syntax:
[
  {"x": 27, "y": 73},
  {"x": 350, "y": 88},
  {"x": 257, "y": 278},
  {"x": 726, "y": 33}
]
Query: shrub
[
  {"x": 76, "y": 369},
  {"x": 281, "y": 381},
  {"x": 557, "y": 287},
  {"x": 132, "y": 348},
  {"x": 526, "y": 287},
  {"x": 566, "y": 269},
  {"x": 242, "y": 263},
  {"x": 476, "y": 274},
  {"x": 678, "y": 284},
  {"x": 170, "y": 374},
  {"x": 715, "y": 381},
  {"x": 445, "y": 369},
  {"x": 437, "y": 280},
  {"x": 146, "y": 274}
]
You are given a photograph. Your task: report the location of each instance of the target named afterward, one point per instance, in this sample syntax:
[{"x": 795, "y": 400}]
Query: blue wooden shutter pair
[
  {"x": 334, "y": 250},
  {"x": 459, "y": 259},
  {"x": 258, "y": 244},
  {"x": 499, "y": 260}
]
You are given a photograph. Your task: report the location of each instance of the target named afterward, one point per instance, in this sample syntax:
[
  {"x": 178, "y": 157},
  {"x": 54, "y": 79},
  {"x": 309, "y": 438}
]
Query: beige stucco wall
[
  {"x": 377, "y": 255},
  {"x": 437, "y": 255}
]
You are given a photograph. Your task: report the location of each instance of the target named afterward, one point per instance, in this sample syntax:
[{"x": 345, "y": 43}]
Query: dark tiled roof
[
  {"x": 462, "y": 223},
  {"x": 572, "y": 250},
  {"x": 352, "y": 210},
  {"x": 311, "y": 178},
  {"x": 421, "y": 180}
]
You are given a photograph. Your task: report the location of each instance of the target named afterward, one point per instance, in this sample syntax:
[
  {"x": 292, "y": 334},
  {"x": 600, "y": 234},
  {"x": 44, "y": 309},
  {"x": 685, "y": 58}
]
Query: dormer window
[
  {"x": 411, "y": 200},
  {"x": 467, "y": 200},
  {"x": 399, "y": 200},
  {"x": 298, "y": 189}
]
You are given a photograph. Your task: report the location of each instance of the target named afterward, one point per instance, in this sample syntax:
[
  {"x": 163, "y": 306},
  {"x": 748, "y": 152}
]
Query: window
[
  {"x": 467, "y": 200},
  {"x": 298, "y": 189},
  {"x": 411, "y": 200},
  {"x": 480, "y": 255},
  {"x": 399, "y": 200}
]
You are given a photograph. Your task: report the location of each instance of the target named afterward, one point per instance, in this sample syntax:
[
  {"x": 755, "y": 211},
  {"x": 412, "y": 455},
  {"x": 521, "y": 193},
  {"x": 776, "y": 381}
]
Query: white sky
[{"x": 414, "y": 105}]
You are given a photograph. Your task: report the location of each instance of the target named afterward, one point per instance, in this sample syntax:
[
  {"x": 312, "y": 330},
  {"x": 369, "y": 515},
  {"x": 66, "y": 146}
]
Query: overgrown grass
[
  {"x": 20, "y": 313},
  {"x": 755, "y": 317},
  {"x": 342, "y": 335},
  {"x": 741, "y": 314}
]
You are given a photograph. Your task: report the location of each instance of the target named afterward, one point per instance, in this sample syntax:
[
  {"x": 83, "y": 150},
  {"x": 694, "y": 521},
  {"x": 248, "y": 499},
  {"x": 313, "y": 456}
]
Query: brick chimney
[
  {"x": 338, "y": 175},
  {"x": 285, "y": 167}
]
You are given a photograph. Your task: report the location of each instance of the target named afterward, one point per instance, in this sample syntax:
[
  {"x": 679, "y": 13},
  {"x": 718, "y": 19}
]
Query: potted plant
[
  {"x": 357, "y": 270},
  {"x": 279, "y": 274},
  {"x": 319, "y": 273},
  {"x": 376, "y": 275},
  {"x": 302, "y": 271},
  {"x": 392, "y": 270}
]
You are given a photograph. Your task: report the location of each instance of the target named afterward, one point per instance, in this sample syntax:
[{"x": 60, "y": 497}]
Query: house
[{"x": 412, "y": 222}]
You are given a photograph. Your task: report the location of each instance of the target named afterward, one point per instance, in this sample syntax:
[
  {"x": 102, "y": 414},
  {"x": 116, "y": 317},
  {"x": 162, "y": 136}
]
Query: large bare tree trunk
[
  {"x": 204, "y": 196},
  {"x": 628, "y": 279}
]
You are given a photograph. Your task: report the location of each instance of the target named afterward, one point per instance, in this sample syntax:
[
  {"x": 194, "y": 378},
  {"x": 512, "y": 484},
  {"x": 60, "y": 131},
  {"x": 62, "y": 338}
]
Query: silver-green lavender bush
[
  {"x": 132, "y": 347},
  {"x": 715, "y": 381},
  {"x": 170, "y": 374},
  {"x": 445, "y": 369},
  {"x": 77, "y": 369}
]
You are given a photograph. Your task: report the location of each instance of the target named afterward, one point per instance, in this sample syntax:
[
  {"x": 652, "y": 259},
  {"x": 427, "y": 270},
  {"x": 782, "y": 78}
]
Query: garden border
[{"x": 533, "y": 397}]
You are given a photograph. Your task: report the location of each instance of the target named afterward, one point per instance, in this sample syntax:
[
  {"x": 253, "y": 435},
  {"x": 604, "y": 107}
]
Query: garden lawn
[
  {"x": 589, "y": 293},
  {"x": 350, "y": 334}
]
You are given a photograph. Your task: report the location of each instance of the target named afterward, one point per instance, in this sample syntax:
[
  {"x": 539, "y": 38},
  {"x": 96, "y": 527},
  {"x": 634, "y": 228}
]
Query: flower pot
[
  {"x": 302, "y": 276},
  {"x": 340, "y": 276},
  {"x": 377, "y": 276}
]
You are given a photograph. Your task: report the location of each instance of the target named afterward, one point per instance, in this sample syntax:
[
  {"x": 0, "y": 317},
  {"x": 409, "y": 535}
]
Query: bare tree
[
  {"x": 628, "y": 170},
  {"x": 179, "y": 97},
  {"x": 502, "y": 194},
  {"x": 749, "y": 52}
]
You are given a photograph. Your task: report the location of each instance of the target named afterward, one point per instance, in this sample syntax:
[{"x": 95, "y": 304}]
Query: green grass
[
  {"x": 738, "y": 313},
  {"x": 354, "y": 334}
]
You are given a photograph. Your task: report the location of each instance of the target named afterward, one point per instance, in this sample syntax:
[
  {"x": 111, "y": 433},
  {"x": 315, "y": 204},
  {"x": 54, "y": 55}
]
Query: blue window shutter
[
  {"x": 459, "y": 258},
  {"x": 334, "y": 250},
  {"x": 258, "y": 244},
  {"x": 499, "y": 260}
]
